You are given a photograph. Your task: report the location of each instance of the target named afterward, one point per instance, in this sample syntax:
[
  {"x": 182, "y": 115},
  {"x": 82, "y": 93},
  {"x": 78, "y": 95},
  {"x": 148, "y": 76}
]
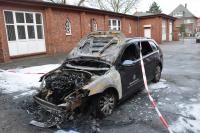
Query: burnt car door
[
  {"x": 148, "y": 58},
  {"x": 129, "y": 69}
]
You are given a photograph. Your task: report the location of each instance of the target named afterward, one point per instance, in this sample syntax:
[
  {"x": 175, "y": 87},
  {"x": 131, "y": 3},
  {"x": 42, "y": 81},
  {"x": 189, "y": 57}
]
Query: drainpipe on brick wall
[
  {"x": 49, "y": 31},
  {"x": 106, "y": 19},
  {"x": 1, "y": 50},
  {"x": 138, "y": 23},
  {"x": 123, "y": 26},
  {"x": 138, "y": 26},
  {"x": 4, "y": 51},
  {"x": 82, "y": 24}
]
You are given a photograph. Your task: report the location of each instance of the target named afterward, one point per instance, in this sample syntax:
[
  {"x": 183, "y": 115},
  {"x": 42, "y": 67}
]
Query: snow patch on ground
[
  {"x": 20, "y": 83},
  {"x": 160, "y": 85},
  {"x": 189, "y": 121}
]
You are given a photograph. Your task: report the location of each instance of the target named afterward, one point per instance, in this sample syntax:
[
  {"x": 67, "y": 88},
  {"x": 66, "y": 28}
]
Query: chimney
[{"x": 185, "y": 5}]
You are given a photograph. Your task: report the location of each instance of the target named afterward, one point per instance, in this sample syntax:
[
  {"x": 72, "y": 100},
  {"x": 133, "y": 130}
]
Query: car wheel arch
[
  {"x": 114, "y": 90},
  {"x": 160, "y": 64},
  {"x": 110, "y": 89}
]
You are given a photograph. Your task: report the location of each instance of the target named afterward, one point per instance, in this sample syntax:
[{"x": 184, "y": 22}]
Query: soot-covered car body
[{"x": 102, "y": 70}]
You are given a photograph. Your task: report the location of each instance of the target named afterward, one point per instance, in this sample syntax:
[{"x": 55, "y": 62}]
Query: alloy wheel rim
[{"x": 107, "y": 103}]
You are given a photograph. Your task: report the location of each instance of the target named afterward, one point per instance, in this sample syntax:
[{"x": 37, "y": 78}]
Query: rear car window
[{"x": 146, "y": 48}]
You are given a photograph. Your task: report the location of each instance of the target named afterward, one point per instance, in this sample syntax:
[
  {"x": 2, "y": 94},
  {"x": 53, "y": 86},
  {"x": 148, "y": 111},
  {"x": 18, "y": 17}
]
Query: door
[
  {"x": 164, "y": 30},
  {"x": 25, "y": 32},
  {"x": 147, "y": 32},
  {"x": 130, "y": 70},
  {"x": 170, "y": 31}
]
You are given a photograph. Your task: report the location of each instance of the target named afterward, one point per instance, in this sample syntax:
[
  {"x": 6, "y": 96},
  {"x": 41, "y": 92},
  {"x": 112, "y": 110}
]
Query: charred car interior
[{"x": 104, "y": 68}]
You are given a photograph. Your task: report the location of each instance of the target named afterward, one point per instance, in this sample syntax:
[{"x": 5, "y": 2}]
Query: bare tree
[
  {"x": 80, "y": 2},
  {"x": 120, "y": 6}
]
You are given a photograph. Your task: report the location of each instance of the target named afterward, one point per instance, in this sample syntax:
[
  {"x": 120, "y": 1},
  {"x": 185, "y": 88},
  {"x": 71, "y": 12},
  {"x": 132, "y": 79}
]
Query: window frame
[
  {"x": 9, "y": 24},
  {"x": 117, "y": 26},
  {"x": 25, "y": 24},
  {"x": 178, "y": 14},
  {"x": 70, "y": 27},
  {"x": 135, "y": 44}
]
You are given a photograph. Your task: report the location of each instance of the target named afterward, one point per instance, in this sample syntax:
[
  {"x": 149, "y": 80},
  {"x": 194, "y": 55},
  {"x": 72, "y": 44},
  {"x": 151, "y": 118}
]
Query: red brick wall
[
  {"x": 125, "y": 27},
  {"x": 156, "y": 28},
  {"x": 1, "y": 40},
  {"x": 54, "y": 27},
  {"x": 99, "y": 19},
  {"x": 56, "y": 38},
  {"x": 4, "y": 55}
]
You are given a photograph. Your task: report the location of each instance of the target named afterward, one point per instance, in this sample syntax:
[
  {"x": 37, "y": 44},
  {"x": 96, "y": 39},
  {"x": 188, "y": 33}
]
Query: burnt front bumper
[{"x": 49, "y": 106}]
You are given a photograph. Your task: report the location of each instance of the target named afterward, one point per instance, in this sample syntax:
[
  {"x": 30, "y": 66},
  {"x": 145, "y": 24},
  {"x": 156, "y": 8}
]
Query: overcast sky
[{"x": 168, "y": 6}]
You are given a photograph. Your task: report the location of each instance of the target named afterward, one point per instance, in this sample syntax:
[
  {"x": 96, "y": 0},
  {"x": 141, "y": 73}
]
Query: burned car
[{"x": 103, "y": 70}]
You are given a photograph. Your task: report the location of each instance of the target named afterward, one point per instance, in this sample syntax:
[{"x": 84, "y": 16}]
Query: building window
[
  {"x": 10, "y": 26},
  {"x": 39, "y": 26},
  {"x": 68, "y": 27},
  {"x": 188, "y": 21},
  {"x": 178, "y": 14},
  {"x": 114, "y": 24},
  {"x": 129, "y": 28},
  {"x": 94, "y": 25},
  {"x": 23, "y": 25}
]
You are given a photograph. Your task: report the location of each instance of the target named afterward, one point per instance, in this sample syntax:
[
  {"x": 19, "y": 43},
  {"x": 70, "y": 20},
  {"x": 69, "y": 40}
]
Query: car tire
[
  {"x": 104, "y": 104},
  {"x": 157, "y": 74}
]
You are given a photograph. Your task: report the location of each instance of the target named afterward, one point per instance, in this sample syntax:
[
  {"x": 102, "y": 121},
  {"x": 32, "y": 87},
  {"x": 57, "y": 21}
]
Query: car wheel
[
  {"x": 105, "y": 104},
  {"x": 157, "y": 74}
]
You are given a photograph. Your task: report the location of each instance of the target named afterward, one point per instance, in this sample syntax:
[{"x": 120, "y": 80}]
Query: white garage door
[
  {"x": 147, "y": 32},
  {"x": 170, "y": 31},
  {"x": 25, "y": 32},
  {"x": 164, "y": 30}
]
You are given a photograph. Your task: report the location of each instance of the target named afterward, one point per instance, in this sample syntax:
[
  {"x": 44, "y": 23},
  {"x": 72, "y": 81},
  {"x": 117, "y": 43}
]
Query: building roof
[
  {"x": 39, "y": 3},
  {"x": 142, "y": 14},
  {"x": 150, "y": 15},
  {"x": 181, "y": 8}
]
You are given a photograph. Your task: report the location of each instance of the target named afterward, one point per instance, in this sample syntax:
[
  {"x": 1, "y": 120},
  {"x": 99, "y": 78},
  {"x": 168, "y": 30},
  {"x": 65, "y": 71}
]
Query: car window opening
[
  {"x": 130, "y": 55},
  {"x": 146, "y": 48}
]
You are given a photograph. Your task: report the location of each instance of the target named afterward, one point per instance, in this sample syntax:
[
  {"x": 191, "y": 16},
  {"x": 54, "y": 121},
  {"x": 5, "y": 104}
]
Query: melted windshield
[{"x": 105, "y": 47}]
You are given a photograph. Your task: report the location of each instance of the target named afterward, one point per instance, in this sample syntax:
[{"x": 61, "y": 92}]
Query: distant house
[{"x": 186, "y": 18}]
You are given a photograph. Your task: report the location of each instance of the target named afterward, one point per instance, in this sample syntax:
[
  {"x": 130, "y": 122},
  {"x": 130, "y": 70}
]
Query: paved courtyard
[{"x": 177, "y": 95}]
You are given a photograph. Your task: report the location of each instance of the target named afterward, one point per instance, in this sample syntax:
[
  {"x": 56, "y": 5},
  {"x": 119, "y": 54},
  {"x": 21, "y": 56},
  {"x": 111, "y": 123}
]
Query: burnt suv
[{"x": 102, "y": 70}]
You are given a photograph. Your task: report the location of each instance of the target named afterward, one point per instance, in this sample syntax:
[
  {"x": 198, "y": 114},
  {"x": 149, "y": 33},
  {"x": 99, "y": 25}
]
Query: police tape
[
  {"x": 164, "y": 122},
  {"x": 12, "y": 71}
]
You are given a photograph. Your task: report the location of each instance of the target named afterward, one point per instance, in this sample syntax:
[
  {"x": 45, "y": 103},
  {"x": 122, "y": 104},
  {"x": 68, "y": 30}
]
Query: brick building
[{"x": 30, "y": 28}]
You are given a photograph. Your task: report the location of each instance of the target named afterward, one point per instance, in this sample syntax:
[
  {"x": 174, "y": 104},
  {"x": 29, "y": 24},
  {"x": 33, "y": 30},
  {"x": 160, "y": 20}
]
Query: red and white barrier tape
[
  {"x": 12, "y": 71},
  {"x": 164, "y": 122}
]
